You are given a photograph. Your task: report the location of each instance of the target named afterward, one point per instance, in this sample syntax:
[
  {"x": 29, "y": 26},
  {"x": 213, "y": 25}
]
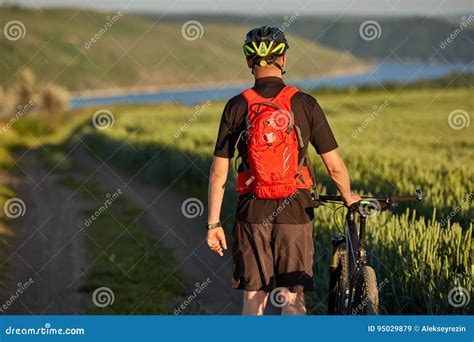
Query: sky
[{"x": 355, "y": 7}]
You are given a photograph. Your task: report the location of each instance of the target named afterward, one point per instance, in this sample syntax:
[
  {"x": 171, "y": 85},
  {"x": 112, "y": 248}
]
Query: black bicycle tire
[
  {"x": 337, "y": 301},
  {"x": 366, "y": 296}
]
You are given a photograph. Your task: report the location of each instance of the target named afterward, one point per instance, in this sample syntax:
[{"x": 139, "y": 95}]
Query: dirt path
[
  {"x": 47, "y": 246},
  {"x": 185, "y": 236}
]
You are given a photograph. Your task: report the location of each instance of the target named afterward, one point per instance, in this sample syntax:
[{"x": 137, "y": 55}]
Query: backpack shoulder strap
[
  {"x": 287, "y": 93},
  {"x": 251, "y": 96}
]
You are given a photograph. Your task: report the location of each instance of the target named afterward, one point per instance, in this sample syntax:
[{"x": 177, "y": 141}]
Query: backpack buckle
[
  {"x": 249, "y": 181},
  {"x": 300, "y": 177}
]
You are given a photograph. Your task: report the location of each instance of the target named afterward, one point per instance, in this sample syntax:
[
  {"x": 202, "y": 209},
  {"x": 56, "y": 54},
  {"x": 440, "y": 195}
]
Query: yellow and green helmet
[{"x": 264, "y": 44}]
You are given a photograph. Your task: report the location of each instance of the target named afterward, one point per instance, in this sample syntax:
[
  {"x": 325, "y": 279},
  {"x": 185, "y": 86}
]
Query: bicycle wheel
[
  {"x": 339, "y": 285},
  {"x": 366, "y": 296}
]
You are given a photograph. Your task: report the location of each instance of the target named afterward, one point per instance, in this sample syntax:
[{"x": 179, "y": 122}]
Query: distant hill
[
  {"x": 139, "y": 52},
  {"x": 401, "y": 38}
]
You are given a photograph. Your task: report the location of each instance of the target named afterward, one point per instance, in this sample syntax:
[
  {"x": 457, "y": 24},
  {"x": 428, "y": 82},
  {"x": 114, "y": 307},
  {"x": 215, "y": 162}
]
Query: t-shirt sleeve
[
  {"x": 227, "y": 135},
  {"x": 321, "y": 135}
]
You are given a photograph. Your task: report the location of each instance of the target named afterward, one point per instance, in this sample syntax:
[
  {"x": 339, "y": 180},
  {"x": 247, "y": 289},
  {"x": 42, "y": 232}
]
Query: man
[{"x": 272, "y": 125}]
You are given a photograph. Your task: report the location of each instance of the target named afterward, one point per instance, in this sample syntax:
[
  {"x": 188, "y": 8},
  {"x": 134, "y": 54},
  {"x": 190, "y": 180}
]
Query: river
[{"x": 382, "y": 73}]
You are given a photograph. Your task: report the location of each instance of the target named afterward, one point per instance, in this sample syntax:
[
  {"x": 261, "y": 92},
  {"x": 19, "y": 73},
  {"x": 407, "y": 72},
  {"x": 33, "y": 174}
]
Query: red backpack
[{"x": 273, "y": 142}]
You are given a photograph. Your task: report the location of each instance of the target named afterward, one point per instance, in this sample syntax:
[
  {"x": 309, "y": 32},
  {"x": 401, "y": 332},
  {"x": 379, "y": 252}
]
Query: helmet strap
[{"x": 279, "y": 67}]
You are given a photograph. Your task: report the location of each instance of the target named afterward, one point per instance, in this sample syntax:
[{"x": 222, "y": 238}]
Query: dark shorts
[{"x": 273, "y": 255}]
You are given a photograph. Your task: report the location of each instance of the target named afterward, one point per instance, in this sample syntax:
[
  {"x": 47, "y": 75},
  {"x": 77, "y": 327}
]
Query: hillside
[
  {"x": 414, "y": 39},
  {"x": 138, "y": 52}
]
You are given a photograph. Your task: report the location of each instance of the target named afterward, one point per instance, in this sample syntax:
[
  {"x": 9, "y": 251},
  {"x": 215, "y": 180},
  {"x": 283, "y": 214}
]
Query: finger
[
  {"x": 216, "y": 248},
  {"x": 218, "y": 251},
  {"x": 223, "y": 243}
]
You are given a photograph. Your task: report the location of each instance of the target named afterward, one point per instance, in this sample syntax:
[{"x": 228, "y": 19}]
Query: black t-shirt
[{"x": 314, "y": 127}]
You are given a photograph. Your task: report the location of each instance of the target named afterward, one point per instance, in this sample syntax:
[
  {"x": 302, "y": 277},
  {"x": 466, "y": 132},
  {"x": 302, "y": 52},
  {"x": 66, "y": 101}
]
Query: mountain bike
[{"x": 352, "y": 283}]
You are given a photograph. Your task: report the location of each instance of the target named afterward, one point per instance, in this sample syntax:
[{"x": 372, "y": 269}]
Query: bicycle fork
[{"x": 356, "y": 252}]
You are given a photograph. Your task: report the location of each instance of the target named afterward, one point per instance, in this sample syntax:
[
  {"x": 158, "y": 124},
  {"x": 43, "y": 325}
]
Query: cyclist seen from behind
[{"x": 271, "y": 126}]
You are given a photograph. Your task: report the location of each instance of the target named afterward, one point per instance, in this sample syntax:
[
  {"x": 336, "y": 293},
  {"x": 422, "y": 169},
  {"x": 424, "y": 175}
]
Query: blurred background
[{"x": 109, "y": 112}]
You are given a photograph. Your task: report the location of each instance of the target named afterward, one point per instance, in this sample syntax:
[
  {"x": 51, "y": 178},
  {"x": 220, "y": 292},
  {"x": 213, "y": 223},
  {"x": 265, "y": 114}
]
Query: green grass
[
  {"x": 137, "y": 51},
  {"x": 8, "y": 144},
  {"x": 127, "y": 259},
  {"x": 408, "y": 145}
]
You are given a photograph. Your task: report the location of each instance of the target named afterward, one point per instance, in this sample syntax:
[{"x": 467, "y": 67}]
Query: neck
[{"x": 268, "y": 71}]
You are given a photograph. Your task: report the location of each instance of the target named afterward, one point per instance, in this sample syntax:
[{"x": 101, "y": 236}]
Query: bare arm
[
  {"x": 337, "y": 170},
  {"x": 217, "y": 179}
]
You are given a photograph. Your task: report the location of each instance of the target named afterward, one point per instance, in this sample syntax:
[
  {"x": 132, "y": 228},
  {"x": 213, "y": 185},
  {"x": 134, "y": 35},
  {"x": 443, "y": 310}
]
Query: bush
[
  {"x": 25, "y": 95},
  {"x": 25, "y": 87},
  {"x": 55, "y": 99}
]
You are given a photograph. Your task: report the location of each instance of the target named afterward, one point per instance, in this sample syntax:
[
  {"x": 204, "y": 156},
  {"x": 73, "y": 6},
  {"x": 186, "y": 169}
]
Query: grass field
[
  {"x": 404, "y": 142},
  {"x": 137, "y": 51}
]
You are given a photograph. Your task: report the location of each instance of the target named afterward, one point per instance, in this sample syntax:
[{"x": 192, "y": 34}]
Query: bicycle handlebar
[{"x": 386, "y": 201}]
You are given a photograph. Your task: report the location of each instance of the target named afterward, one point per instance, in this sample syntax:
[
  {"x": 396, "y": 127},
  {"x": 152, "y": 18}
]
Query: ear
[{"x": 283, "y": 61}]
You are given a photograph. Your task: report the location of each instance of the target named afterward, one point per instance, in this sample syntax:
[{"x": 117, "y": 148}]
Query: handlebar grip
[{"x": 408, "y": 198}]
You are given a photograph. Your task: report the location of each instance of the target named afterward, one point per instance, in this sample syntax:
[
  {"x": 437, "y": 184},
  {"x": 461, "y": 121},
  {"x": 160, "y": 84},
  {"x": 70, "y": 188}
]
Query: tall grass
[
  {"x": 7, "y": 163},
  {"x": 407, "y": 145}
]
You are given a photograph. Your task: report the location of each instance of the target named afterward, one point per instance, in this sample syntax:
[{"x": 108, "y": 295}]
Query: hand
[
  {"x": 216, "y": 240},
  {"x": 353, "y": 199}
]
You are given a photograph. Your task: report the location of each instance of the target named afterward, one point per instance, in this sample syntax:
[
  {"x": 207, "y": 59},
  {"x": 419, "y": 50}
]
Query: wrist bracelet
[{"x": 213, "y": 225}]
